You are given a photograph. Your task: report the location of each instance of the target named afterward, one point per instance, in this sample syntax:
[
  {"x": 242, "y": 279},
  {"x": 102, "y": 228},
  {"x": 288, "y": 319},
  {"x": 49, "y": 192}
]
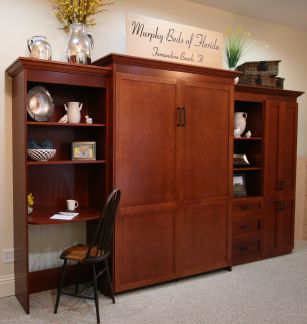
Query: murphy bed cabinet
[
  {"x": 164, "y": 136},
  {"x": 173, "y": 163},
  {"x": 54, "y": 181},
  {"x": 263, "y": 221}
]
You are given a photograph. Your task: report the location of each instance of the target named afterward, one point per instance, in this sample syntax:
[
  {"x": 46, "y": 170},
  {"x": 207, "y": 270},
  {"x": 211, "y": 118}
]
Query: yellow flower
[
  {"x": 78, "y": 11},
  {"x": 30, "y": 199}
]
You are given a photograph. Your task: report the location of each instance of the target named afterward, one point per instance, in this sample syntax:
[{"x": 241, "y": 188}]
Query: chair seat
[{"x": 79, "y": 253}]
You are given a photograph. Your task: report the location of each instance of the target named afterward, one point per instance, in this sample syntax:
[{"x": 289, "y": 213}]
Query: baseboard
[{"x": 7, "y": 285}]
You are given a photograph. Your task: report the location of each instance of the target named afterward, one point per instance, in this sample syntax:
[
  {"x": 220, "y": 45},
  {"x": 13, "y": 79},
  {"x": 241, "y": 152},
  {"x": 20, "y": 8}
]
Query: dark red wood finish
[
  {"x": 61, "y": 178},
  {"x": 173, "y": 170},
  {"x": 277, "y": 125}
]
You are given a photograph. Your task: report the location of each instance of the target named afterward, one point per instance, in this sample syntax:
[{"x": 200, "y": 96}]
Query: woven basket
[
  {"x": 269, "y": 68},
  {"x": 41, "y": 154},
  {"x": 262, "y": 81}
]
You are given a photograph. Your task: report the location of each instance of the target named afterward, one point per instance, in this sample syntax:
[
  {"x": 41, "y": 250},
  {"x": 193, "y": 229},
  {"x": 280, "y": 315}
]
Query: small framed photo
[
  {"x": 239, "y": 186},
  {"x": 83, "y": 151}
]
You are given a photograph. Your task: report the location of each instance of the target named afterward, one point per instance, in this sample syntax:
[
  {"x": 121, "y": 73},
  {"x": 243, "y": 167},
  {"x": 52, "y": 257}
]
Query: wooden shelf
[
  {"x": 248, "y": 197},
  {"x": 34, "y": 123},
  {"x": 248, "y": 139},
  {"x": 56, "y": 162},
  {"x": 43, "y": 217},
  {"x": 247, "y": 169}
]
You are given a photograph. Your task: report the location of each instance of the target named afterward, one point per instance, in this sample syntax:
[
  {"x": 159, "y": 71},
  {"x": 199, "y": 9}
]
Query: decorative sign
[{"x": 163, "y": 40}]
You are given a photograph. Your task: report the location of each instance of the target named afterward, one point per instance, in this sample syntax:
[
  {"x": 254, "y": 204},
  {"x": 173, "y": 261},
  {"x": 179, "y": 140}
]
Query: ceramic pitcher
[
  {"x": 39, "y": 47},
  {"x": 73, "y": 109},
  {"x": 240, "y": 121}
]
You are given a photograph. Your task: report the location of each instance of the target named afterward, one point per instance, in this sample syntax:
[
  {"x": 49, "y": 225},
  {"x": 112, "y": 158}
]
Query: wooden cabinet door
[
  {"x": 145, "y": 140},
  {"x": 145, "y": 171},
  {"x": 280, "y": 147},
  {"x": 201, "y": 232},
  {"x": 278, "y": 225}
]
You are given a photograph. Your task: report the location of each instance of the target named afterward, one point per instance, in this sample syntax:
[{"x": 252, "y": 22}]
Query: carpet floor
[{"x": 272, "y": 291}]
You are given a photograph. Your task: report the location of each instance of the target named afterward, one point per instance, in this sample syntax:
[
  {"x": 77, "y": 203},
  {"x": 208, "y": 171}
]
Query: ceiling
[{"x": 289, "y": 13}]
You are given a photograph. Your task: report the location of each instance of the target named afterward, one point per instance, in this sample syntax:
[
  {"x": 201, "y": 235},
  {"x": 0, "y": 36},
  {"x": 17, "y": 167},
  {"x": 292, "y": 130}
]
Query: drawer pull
[
  {"x": 280, "y": 206},
  {"x": 245, "y": 226},
  {"x": 243, "y": 248},
  {"x": 247, "y": 207}
]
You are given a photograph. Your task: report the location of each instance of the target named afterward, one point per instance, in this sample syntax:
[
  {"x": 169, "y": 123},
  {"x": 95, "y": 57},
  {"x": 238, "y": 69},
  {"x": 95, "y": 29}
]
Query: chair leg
[
  {"x": 77, "y": 278},
  {"x": 109, "y": 280},
  {"x": 59, "y": 291},
  {"x": 96, "y": 293}
]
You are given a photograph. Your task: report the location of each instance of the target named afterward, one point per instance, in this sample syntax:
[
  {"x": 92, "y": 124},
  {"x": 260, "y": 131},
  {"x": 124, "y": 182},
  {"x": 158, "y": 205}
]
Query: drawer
[
  {"x": 245, "y": 247},
  {"x": 247, "y": 207},
  {"x": 246, "y": 224}
]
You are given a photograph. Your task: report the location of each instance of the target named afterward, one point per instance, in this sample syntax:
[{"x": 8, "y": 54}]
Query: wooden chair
[{"x": 97, "y": 252}]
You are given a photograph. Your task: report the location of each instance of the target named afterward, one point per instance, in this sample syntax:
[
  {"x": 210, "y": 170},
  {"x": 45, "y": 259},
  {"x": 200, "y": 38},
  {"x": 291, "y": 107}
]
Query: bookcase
[
  {"x": 52, "y": 182},
  {"x": 263, "y": 219}
]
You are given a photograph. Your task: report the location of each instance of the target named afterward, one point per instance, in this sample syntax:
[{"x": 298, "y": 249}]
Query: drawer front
[
  {"x": 245, "y": 247},
  {"x": 246, "y": 224},
  {"x": 248, "y": 207}
]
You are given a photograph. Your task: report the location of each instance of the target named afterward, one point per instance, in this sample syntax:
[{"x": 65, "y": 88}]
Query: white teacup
[{"x": 72, "y": 204}]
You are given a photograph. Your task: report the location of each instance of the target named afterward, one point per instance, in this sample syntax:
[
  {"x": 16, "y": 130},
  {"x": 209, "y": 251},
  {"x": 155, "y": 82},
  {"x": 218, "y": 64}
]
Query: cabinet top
[
  {"x": 268, "y": 91},
  {"x": 22, "y": 63},
  {"x": 120, "y": 59}
]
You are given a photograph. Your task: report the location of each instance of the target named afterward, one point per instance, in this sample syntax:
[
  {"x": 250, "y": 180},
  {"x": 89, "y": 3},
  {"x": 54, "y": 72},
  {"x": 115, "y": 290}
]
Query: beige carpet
[{"x": 270, "y": 291}]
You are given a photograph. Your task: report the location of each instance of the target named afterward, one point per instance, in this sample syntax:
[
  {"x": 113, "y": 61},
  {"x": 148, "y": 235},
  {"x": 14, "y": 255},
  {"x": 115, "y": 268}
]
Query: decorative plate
[{"x": 40, "y": 104}]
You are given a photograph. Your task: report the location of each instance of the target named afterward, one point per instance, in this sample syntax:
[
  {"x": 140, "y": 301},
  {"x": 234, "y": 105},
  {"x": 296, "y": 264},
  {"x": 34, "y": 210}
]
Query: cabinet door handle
[
  {"x": 280, "y": 206},
  {"x": 281, "y": 185},
  {"x": 184, "y": 117},
  {"x": 178, "y": 116}
]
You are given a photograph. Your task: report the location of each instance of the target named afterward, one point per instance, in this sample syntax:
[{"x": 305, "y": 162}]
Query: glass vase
[{"x": 80, "y": 44}]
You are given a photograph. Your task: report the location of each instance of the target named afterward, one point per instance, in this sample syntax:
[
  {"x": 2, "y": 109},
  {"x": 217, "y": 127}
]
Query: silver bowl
[{"x": 40, "y": 104}]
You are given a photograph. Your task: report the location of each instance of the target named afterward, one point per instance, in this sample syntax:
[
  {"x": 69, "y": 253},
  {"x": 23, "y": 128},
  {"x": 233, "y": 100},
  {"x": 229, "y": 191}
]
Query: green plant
[
  {"x": 78, "y": 11},
  {"x": 235, "y": 41}
]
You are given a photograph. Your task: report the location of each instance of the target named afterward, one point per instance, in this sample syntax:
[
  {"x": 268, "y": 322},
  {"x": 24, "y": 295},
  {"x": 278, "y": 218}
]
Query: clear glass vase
[{"x": 80, "y": 44}]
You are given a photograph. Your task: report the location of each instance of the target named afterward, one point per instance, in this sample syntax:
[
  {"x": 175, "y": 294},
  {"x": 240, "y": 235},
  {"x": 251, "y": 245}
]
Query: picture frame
[
  {"x": 83, "y": 151},
  {"x": 239, "y": 185}
]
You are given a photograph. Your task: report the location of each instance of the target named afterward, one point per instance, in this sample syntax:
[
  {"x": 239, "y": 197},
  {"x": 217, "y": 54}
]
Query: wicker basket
[
  {"x": 262, "y": 81},
  {"x": 41, "y": 154},
  {"x": 259, "y": 68}
]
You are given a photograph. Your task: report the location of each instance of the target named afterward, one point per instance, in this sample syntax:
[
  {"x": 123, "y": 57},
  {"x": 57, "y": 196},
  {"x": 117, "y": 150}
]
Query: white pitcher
[
  {"x": 73, "y": 109},
  {"x": 240, "y": 121}
]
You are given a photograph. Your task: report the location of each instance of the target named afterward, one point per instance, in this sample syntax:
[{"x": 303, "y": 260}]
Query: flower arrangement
[
  {"x": 235, "y": 41},
  {"x": 78, "y": 11},
  {"x": 30, "y": 199},
  {"x": 30, "y": 203}
]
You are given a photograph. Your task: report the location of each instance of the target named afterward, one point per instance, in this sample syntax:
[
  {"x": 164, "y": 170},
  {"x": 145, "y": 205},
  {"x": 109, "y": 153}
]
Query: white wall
[{"x": 22, "y": 19}]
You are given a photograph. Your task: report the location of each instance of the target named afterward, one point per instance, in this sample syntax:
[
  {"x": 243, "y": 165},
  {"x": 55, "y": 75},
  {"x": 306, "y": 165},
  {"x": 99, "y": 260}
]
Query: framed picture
[
  {"x": 239, "y": 186},
  {"x": 83, "y": 151}
]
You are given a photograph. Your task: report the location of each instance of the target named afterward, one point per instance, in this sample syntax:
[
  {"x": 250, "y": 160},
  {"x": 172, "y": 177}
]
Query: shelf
[
  {"x": 248, "y": 139},
  {"x": 55, "y": 162},
  {"x": 247, "y": 197},
  {"x": 247, "y": 169},
  {"x": 34, "y": 123},
  {"x": 43, "y": 217}
]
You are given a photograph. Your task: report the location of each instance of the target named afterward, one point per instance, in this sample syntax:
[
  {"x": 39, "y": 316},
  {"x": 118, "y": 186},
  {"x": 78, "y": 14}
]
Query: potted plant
[
  {"x": 234, "y": 48},
  {"x": 76, "y": 16}
]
